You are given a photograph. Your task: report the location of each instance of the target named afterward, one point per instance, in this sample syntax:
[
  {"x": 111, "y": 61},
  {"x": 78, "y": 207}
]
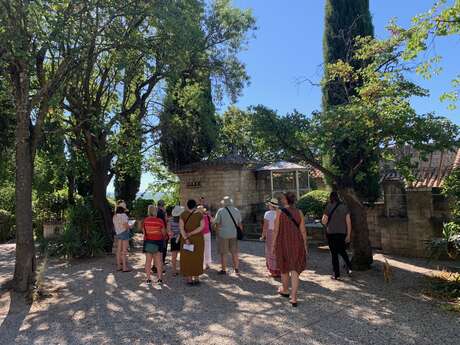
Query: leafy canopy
[{"x": 378, "y": 120}]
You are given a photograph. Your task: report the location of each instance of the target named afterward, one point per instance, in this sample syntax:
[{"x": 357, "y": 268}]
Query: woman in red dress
[{"x": 290, "y": 246}]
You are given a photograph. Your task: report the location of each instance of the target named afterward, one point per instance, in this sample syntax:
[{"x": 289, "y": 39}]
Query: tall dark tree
[
  {"x": 128, "y": 167},
  {"x": 344, "y": 21},
  {"x": 188, "y": 124}
]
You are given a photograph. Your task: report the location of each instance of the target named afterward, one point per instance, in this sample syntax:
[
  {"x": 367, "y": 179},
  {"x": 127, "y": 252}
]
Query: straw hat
[
  {"x": 177, "y": 211},
  {"x": 273, "y": 202},
  {"x": 227, "y": 201}
]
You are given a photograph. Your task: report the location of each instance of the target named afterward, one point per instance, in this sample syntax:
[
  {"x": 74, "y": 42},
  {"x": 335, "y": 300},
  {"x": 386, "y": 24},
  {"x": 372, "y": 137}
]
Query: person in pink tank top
[{"x": 207, "y": 236}]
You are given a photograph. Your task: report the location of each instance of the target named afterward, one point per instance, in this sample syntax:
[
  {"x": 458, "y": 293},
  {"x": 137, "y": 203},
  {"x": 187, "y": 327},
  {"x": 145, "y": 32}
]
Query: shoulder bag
[
  {"x": 289, "y": 215},
  {"x": 239, "y": 232}
]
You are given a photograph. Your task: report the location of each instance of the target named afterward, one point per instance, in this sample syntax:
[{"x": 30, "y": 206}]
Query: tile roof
[{"x": 430, "y": 172}]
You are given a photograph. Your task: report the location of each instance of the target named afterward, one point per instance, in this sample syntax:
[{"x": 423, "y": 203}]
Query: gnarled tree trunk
[{"x": 362, "y": 251}]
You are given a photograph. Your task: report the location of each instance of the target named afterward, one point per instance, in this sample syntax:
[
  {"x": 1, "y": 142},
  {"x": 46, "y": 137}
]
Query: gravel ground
[{"x": 92, "y": 304}]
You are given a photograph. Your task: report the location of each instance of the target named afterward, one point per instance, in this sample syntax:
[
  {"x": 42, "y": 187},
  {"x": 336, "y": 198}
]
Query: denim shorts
[
  {"x": 158, "y": 243},
  {"x": 124, "y": 236}
]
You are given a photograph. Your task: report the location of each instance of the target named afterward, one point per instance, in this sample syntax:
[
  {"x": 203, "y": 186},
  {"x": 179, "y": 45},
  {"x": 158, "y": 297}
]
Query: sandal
[
  {"x": 281, "y": 293},
  {"x": 128, "y": 270},
  {"x": 294, "y": 304},
  {"x": 222, "y": 272}
]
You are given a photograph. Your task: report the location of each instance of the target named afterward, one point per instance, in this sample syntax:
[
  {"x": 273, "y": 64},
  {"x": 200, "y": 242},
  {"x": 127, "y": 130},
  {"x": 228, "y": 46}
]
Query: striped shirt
[{"x": 153, "y": 227}]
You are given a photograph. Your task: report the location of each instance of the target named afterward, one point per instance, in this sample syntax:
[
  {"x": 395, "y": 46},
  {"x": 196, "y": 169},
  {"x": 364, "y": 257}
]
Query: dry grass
[{"x": 445, "y": 286}]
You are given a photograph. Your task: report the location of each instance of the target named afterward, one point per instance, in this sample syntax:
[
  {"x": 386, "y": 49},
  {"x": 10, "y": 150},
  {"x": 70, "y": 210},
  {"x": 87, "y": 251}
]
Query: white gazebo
[{"x": 287, "y": 176}]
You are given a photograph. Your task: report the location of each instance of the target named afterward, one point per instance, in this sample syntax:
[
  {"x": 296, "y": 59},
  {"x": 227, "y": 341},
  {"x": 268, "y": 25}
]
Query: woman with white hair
[{"x": 154, "y": 230}]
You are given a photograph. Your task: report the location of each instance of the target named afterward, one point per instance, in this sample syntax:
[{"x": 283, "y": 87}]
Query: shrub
[
  {"x": 6, "y": 226},
  {"x": 313, "y": 203},
  {"x": 81, "y": 237},
  {"x": 139, "y": 209},
  {"x": 449, "y": 243},
  {"x": 7, "y": 198}
]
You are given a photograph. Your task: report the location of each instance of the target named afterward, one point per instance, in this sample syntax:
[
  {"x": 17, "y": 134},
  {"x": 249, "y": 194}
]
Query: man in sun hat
[{"x": 227, "y": 243}]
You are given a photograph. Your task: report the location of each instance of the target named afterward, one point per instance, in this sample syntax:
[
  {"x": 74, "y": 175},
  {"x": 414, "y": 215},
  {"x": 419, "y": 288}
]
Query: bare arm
[
  {"x": 264, "y": 230},
  {"x": 325, "y": 219},
  {"x": 198, "y": 229},
  {"x": 276, "y": 229},
  {"x": 348, "y": 221},
  {"x": 182, "y": 229},
  {"x": 303, "y": 231}
]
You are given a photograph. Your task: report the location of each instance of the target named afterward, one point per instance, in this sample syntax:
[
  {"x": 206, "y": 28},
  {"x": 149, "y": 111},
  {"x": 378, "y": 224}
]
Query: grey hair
[{"x": 152, "y": 211}]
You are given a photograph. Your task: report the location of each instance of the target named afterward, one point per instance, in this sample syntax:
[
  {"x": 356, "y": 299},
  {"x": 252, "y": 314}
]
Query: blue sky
[{"x": 288, "y": 47}]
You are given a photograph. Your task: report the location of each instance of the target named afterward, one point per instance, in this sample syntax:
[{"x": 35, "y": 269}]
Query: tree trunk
[
  {"x": 99, "y": 191},
  {"x": 362, "y": 252},
  {"x": 24, "y": 269}
]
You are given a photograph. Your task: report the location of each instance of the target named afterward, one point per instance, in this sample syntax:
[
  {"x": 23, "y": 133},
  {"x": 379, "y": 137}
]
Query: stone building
[
  {"x": 412, "y": 213},
  {"x": 249, "y": 183}
]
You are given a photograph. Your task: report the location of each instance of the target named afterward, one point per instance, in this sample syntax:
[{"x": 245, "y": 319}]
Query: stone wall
[
  {"x": 409, "y": 235},
  {"x": 213, "y": 184}
]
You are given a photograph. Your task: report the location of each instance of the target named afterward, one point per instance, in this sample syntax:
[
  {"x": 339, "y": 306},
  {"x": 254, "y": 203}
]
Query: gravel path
[{"x": 92, "y": 304}]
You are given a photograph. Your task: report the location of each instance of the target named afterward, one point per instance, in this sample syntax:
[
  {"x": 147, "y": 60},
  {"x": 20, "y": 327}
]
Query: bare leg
[
  {"x": 294, "y": 286},
  {"x": 159, "y": 264},
  {"x": 148, "y": 265},
  {"x": 174, "y": 261},
  {"x": 124, "y": 253},
  {"x": 223, "y": 262},
  {"x": 285, "y": 282},
  {"x": 118, "y": 255},
  {"x": 235, "y": 261}
]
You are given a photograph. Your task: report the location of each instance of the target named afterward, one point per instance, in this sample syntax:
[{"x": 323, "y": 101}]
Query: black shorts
[{"x": 175, "y": 244}]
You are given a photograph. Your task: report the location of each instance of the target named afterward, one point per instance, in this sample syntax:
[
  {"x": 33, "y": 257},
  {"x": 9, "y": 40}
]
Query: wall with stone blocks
[{"x": 406, "y": 236}]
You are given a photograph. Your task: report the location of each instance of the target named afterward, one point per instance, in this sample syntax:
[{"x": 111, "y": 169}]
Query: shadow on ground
[{"x": 92, "y": 304}]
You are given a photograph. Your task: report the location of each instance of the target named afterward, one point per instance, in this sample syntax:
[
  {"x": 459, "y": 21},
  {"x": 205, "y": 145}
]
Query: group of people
[{"x": 187, "y": 230}]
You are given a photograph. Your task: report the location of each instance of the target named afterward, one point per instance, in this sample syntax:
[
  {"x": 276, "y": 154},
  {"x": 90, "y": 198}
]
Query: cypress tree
[
  {"x": 344, "y": 21},
  {"x": 188, "y": 125}
]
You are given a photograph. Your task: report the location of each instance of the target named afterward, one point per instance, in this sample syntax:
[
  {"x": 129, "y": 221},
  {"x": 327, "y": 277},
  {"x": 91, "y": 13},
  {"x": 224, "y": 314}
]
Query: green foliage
[
  {"x": 445, "y": 286},
  {"x": 443, "y": 19},
  {"x": 450, "y": 242},
  {"x": 6, "y": 226},
  {"x": 165, "y": 182},
  {"x": 187, "y": 123},
  {"x": 81, "y": 236},
  {"x": 7, "y": 197},
  {"x": 344, "y": 21},
  {"x": 139, "y": 208},
  {"x": 128, "y": 167},
  {"x": 451, "y": 189},
  {"x": 312, "y": 204},
  {"x": 373, "y": 124},
  {"x": 236, "y": 136}
]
